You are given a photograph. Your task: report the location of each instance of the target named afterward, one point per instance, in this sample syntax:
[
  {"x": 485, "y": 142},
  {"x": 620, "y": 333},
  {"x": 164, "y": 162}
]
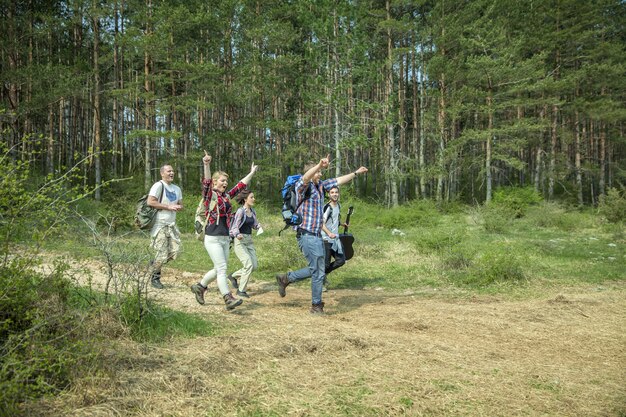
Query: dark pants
[{"x": 338, "y": 258}]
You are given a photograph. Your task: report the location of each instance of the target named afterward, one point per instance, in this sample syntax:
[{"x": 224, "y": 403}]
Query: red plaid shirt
[{"x": 223, "y": 201}]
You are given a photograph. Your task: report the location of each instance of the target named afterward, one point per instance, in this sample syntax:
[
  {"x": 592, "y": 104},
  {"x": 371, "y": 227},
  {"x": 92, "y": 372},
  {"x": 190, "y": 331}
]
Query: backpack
[
  {"x": 144, "y": 214},
  {"x": 289, "y": 211},
  {"x": 202, "y": 219}
]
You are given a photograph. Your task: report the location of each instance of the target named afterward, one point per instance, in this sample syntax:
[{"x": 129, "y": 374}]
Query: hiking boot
[
  {"x": 155, "y": 280},
  {"x": 233, "y": 281},
  {"x": 283, "y": 282},
  {"x": 317, "y": 309},
  {"x": 242, "y": 294},
  {"x": 198, "y": 291},
  {"x": 231, "y": 302}
]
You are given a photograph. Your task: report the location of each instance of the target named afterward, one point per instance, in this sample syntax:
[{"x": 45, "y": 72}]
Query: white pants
[{"x": 218, "y": 249}]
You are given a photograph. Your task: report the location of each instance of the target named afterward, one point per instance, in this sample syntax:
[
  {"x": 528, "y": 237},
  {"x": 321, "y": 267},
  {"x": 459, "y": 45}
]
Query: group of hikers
[{"x": 317, "y": 234}]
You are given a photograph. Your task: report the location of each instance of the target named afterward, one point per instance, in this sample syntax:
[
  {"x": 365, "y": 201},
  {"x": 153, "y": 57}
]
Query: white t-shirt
[
  {"x": 171, "y": 195},
  {"x": 331, "y": 219}
]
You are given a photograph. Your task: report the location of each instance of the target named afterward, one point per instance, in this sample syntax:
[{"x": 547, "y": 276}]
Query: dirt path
[{"x": 375, "y": 353}]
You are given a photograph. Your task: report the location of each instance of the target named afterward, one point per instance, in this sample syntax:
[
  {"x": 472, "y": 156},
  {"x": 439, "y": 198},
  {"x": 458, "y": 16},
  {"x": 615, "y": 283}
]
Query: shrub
[
  {"x": 437, "y": 238},
  {"x": 41, "y": 340},
  {"x": 516, "y": 199},
  {"x": 613, "y": 206},
  {"x": 497, "y": 219},
  {"x": 457, "y": 258},
  {"x": 415, "y": 213},
  {"x": 494, "y": 267},
  {"x": 553, "y": 215}
]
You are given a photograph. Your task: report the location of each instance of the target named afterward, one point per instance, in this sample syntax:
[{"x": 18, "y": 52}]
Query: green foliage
[
  {"x": 413, "y": 214},
  {"x": 552, "y": 215},
  {"x": 41, "y": 340},
  {"x": 496, "y": 219},
  {"x": 495, "y": 266},
  {"x": 33, "y": 206},
  {"x": 439, "y": 237},
  {"x": 458, "y": 257},
  {"x": 159, "y": 324},
  {"x": 613, "y": 206},
  {"x": 516, "y": 199}
]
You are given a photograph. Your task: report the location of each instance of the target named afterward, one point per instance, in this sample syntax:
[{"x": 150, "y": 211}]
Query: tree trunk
[
  {"x": 387, "y": 114},
  {"x": 577, "y": 162},
  {"x": 96, "y": 106},
  {"x": 488, "y": 176}
]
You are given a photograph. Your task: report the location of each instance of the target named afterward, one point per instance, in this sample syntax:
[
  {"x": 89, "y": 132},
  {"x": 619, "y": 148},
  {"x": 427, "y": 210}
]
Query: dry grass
[{"x": 374, "y": 353}]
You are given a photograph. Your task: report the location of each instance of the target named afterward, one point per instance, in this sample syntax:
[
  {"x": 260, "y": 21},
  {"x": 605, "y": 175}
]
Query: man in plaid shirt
[{"x": 308, "y": 232}]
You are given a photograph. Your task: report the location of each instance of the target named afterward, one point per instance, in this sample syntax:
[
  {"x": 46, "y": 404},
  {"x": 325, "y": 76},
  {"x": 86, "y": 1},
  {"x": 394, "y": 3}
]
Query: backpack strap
[
  {"x": 213, "y": 204},
  {"x": 162, "y": 190}
]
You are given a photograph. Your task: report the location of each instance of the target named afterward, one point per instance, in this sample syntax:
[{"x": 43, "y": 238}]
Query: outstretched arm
[
  {"x": 344, "y": 179},
  {"x": 247, "y": 178}
]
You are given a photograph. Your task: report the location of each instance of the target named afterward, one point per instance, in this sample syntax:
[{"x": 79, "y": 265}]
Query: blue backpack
[{"x": 289, "y": 211}]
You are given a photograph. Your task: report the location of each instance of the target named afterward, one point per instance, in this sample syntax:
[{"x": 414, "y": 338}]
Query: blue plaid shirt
[{"x": 311, "y": 209}]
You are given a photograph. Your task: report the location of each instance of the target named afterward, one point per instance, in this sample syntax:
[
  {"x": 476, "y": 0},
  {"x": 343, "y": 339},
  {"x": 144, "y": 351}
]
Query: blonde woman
[
  {"x": 241, "y": 227},
  {"x": 216, "y": 240}
]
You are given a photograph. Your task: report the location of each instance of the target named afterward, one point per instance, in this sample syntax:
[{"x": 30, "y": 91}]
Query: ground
[{"x": 374, "y": 353}]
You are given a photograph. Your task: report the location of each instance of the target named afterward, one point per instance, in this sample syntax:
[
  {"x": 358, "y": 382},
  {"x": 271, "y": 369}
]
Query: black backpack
[{"x": 289, "y": 210}]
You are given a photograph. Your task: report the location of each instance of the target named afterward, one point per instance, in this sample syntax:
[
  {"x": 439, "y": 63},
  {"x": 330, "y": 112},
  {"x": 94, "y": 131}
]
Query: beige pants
[
  {"x": 244, "y": 249},
  {"x": 167, "y": 245}
]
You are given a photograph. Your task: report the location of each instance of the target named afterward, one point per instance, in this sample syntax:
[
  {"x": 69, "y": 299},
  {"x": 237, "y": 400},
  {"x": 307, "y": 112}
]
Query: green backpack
[{"x": 144, "y": 214}]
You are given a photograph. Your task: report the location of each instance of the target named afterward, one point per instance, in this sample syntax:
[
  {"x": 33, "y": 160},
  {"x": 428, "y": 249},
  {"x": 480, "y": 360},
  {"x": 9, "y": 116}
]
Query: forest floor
[{"x": 374, "y": 353}]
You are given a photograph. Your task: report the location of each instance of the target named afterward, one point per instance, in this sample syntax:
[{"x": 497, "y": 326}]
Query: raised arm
[
  {"x": 344, "y": 179},
  {"x": 247, "y": 178},
  {"x": 322, "y": 164},
  {"x": 206, "y": 161}
]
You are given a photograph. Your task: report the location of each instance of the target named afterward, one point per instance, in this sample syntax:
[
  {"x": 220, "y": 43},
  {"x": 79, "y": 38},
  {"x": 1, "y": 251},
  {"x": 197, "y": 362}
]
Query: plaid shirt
[
  {"x": 311, "y": 209},
  {"x": 223, "y": 201}
]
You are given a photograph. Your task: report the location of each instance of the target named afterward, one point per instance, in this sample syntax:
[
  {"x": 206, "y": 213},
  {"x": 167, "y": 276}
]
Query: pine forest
[{"x": 440, "y": 99}]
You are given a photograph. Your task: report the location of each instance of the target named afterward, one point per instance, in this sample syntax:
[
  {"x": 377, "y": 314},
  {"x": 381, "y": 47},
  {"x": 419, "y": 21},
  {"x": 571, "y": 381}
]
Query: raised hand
[
  {"x": 206, "y": 159},
  {"x": 324, "y": 162},
  {"x": 253, "y": 168}
]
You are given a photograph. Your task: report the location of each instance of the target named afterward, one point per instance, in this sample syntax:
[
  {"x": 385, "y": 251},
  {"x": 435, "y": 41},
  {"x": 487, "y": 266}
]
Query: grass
[
  {"x": 368, "y": 357},
  {"x": 456, "y": 250}
]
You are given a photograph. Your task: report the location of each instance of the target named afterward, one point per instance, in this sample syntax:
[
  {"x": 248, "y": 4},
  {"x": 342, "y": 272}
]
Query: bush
[
  {"x": 457, "y": 258},
  {"x": 494, "y": 267},
  {"x": 497, "y": 219},
  {"x": 516, "y": 199},
  {"x": 41, "y": 340},
  {"x": 553, "y": 215},
  {"x": 437, "y": 238},
  {"x": 613, "y": 206},
  {"x": 412, "y": 214}
]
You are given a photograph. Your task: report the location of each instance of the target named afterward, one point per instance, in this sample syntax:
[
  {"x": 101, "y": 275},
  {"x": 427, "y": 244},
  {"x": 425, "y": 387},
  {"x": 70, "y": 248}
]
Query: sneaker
[
  {"x": 233, "y": 281},
  {"x": 317, "y": 309},
  {"x": 283, "y": 282},
  {"x": 231, "y": 302},
  {"x": 242, "y": 294},
  {"x": 155, "y": 280},
  {"x": 198, "y": 291}
]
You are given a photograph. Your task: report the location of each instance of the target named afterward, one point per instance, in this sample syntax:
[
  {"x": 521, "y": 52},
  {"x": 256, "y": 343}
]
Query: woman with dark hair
[
  {"x": 241, "y": 227},
  {"x": 216, "y": 240}
]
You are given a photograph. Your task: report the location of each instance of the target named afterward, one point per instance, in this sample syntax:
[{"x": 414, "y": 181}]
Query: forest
[{"x": 442, "y": 100}]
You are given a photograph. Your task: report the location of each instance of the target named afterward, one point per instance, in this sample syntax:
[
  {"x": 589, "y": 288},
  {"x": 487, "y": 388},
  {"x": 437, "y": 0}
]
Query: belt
[{"x": 300, "y": 232}]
